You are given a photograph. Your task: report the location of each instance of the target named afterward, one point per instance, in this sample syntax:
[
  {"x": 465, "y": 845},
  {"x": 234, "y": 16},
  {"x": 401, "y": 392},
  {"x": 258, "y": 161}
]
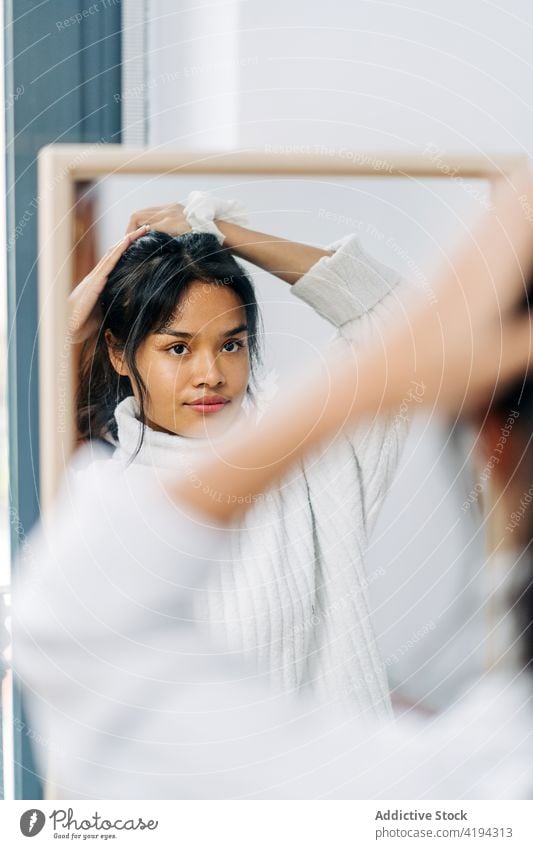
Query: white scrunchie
[{"x": 201, "y": 209}]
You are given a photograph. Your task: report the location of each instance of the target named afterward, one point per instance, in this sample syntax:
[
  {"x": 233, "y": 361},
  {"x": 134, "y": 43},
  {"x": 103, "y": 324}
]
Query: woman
[
  {"x": 103, "y": 623},
  {"x": 180, "y": 326}
]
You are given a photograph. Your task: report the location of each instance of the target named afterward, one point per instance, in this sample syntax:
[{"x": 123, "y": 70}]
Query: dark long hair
[
  {"x": 139, "y": 298},
  {"x": 516, "y": 403}
]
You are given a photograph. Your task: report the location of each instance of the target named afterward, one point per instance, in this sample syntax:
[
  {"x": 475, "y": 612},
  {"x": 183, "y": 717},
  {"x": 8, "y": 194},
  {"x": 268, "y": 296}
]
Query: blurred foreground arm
[{"x": 462, "y": 347}]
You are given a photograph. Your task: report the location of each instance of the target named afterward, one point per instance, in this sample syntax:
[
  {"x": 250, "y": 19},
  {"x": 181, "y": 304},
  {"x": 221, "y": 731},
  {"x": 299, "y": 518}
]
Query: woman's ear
[{"x": 116, "y": 356}]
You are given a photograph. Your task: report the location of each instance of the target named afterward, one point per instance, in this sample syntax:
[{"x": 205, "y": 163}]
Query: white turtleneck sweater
[{"x": 293, "y": 596}]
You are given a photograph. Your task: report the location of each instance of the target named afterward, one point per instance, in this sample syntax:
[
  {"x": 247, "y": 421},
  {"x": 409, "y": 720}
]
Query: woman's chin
[{"x": 208, "y": 426}]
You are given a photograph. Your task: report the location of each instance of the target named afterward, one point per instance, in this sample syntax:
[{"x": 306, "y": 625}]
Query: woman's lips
[{"x": 206, "y": 406}]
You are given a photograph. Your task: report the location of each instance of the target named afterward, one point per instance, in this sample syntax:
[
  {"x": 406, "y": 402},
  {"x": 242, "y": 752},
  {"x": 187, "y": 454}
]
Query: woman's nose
[{"x": 207, "y": 369}]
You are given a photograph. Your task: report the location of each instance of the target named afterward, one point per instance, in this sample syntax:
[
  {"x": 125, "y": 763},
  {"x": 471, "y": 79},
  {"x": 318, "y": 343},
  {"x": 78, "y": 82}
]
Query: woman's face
[{"x": 201, "y": 356}]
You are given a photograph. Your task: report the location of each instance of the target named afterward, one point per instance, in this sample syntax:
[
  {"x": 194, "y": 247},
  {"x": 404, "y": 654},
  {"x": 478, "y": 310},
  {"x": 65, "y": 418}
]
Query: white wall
[
  {"x": 373, "y": 74},
  {"x": 389, "y": 74}
]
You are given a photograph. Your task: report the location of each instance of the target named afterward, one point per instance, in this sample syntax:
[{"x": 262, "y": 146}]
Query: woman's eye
[
  {"x": 236, "y": 342},
  {"x": 178, "y": 349}
]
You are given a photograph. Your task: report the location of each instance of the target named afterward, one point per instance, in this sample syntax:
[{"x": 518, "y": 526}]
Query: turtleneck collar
[{"x": 164, "y": 450}]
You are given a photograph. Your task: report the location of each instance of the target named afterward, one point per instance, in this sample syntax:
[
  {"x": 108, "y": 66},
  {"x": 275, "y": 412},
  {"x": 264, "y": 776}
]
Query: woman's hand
[
  {"x": 169, "y": 218},
  {"x": 84, "y": 312}
]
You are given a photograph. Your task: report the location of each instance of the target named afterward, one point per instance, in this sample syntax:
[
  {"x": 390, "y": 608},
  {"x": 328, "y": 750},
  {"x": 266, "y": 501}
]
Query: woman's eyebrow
[
  {"x": 184, "y": 333},
  {"x": 240, "y": 329}
]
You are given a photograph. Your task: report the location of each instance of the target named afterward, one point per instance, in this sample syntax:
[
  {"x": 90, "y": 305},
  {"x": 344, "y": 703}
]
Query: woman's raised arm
[
  {"x": 84, "y": 314},
  {"x": 285, "y": 259}
]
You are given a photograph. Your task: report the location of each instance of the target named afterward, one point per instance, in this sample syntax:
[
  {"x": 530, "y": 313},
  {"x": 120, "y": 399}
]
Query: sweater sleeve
[
  {"x": 346, "y": 286},
  {"x": 359, "y": 295}
]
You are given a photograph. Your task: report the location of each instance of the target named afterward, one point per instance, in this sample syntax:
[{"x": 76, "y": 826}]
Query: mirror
[{"x": 408, "y": 217}]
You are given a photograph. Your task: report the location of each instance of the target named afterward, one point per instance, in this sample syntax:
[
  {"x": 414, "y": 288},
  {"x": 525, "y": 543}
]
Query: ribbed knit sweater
[{"x": 294, "y": 595}]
